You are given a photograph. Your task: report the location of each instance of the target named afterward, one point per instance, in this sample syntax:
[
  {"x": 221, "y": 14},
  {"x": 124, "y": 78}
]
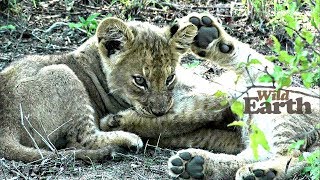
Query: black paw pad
[
  {"x": 251, "y": 177},
  {"x": 177, "y": 162},
  {"x": 205, "y": 36},
  {"x": 185, "y": 156},
  {"x": 258, "y": 172},
  {"x": 174, "y": 29},
  {"x": 195, "y": 21},
  {"x": 195, "y": 167},
  {"x": 225, "y": 48},
  {"x": 177, "y": 170},
  {"x": 271, "y": 174},
  {"x": 206, "y": 21},
  {"x": 184, "y": 175}
]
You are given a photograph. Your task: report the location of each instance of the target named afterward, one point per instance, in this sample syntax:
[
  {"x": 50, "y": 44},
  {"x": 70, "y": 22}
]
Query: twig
[
  {"x": 55, "y": 25},
  {"x": 246, "y": 68},
  {"x": 29, "y": 134},
  {"x": 315, "y": 51},
  {"x": 50, "y": 143},
  {"x": 272, "y": 78},
  {"x": 42, "y": 138},
  {"x": 5, "y": 175},
  {"x": 17, "y": 172}
]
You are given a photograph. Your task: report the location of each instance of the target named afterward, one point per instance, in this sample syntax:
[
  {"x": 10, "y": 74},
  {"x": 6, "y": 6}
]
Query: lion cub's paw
[
  {"x": 278, "y": 168},
  {"x": 110, "y": 122},
  {"x": 184, "y": 165},
  {"x": 250, "y": 173},
  {"x": 211, "y": 40},
  {"x": 128, "y": 140}
]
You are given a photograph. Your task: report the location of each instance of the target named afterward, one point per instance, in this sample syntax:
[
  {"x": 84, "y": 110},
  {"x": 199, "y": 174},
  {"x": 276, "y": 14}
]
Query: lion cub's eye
[
  {"x": 140, "y": 81},
  {"x": 170, "y": 79}
]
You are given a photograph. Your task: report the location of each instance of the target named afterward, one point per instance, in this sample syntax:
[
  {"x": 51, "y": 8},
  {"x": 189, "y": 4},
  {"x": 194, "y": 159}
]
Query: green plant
[
  {"x": 312, "y": 160},
  {"x": 192, "y": 64},
  {"x": 303, "y": 62},
  {"x": 9, "y": 27},
  {"x": 131, "y": 3},
  {"x": 88, "y": 25},
  {"x": 256, "y": 136}
]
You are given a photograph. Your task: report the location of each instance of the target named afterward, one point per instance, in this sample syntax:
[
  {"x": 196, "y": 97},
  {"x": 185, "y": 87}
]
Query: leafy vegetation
[
  {"x": 302, "y": 61},
  {"x": 88, "y": 25},
  {"x": 9, "y": 27},
  {"x": 312, "y": 160}
]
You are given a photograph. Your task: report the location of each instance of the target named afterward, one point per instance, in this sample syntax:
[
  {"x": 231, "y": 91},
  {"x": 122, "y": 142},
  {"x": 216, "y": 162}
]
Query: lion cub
[{"x": 60, "y": 99}]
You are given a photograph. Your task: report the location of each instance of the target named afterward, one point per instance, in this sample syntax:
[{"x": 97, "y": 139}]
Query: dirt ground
[{"x": 44, "y": 30}]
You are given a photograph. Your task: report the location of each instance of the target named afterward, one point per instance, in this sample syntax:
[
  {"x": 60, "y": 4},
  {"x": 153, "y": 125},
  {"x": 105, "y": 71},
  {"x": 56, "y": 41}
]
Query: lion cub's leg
[
  {"x": 287, "y": 129},
  {"x": 187, "y": 115},
  {"x": 281, "y": 167},
  {"x": 57, "y": 104},
  {"x": 202, "y": 164},
  {"x": 216, "y": 140}
]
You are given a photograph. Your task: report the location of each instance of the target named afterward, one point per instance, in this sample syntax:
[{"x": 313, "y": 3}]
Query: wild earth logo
[{"x": 270, "y": 102}]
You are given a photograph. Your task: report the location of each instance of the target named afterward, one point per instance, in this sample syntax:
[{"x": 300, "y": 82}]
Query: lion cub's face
[{"x": 140, "y": 62}]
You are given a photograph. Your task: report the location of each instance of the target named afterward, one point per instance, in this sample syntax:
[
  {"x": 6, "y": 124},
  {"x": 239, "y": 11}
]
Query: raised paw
[
  {"x": 212, "y": 41},
  {"x": 183, "y": 165}
]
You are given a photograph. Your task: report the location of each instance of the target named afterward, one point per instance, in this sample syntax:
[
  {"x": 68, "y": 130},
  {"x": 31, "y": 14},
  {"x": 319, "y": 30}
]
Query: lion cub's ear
[
  {"x": 182, "y": 36},
  {"x": 113, "y": 36}
]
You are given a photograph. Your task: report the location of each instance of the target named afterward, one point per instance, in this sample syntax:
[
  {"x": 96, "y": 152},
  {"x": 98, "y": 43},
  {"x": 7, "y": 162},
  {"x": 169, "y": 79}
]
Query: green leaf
[
  {"x": 75, "y": 25},
  {"x": 257, "y": 138},
  {"x": 284, "y": 81},
  {"x": 237, "y": 108},
  {"x": 291, "y": 22},
  {"x": 241, "y": 65},
  {"x": 298, "y": 45},
  {"x": 315, "y": 11},
  {"x": 219, "y": 94},
  {"x": 296, "y": 145},
  {"x": 82, "y": 20},
  {"x": 277, "y": 72},
  {"x": 237, "y": 123},
  {"x": 9, "y": 27},
  {"x": 308, "y": 35},
  {"x": 276, "y": 44},
  {"x": 285, "y": 57},
  {"x": 265, "y": 78},
  {"x": 254, "y": 61},
  {"x": 307, "y": 79},
  {"x": 271, "y": 58},
  {"x": 193, "y": 64},
  {"x": 224, "y": 102},
  {"x": 93, "y": 16}
]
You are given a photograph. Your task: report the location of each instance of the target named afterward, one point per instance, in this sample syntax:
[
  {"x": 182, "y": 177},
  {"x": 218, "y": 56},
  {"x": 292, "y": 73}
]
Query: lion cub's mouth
[{"x": 146, "y": 113}]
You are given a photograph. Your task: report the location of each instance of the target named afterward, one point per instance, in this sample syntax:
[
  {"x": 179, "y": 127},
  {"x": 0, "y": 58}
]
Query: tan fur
[
  {"x": 280, "y": 129},
  {"x": 74, "y": 96},
  {"x": 60, "y": 99}
]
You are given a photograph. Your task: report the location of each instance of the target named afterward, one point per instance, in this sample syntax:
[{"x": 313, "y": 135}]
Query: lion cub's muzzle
[{"x": 160, "y": 104}]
